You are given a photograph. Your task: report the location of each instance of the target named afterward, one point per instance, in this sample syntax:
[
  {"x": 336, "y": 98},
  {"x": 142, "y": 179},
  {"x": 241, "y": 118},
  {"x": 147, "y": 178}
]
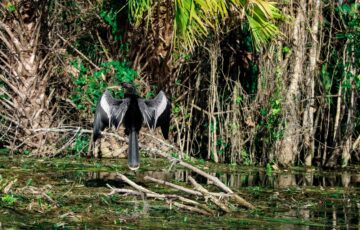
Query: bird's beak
[{"x": 126, "y": 85}]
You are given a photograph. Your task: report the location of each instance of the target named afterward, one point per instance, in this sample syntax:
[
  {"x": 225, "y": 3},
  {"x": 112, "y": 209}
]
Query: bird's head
[
  {"x": 129, "y": 88},
  {"x": 127, "y": 85}
]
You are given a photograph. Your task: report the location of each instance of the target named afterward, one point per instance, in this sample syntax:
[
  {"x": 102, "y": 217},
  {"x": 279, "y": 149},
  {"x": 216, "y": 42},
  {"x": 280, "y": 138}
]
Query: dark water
[{"x": 71, "y": 193}]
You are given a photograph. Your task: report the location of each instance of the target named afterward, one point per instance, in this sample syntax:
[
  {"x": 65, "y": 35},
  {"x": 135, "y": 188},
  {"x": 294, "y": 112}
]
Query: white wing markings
[
  {"x": 106, "y": 107},
  {"x": 161, "y": 108}
]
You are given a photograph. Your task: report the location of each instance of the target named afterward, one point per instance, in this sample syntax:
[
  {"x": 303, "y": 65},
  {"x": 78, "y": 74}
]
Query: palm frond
[
  {"x": 194, "y": 19},
  {"x": 261, "y": 16},
  {"x": 137, "y": 8}
]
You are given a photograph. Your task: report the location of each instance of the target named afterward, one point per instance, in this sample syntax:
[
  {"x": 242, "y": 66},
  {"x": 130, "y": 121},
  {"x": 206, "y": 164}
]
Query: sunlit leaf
[{"x": 194, "y": 19}]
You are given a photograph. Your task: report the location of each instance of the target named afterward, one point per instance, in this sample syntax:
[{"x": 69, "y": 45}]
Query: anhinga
[{"x": 132, "y": 111}]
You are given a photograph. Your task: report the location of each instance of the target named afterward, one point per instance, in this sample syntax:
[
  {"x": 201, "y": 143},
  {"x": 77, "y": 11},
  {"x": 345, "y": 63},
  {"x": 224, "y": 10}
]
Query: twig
[
  {"x": 206, "y": 193},
  {"x": 102, "y": 46},
  {"x": 8, "y": 187},
  {"x": 133, "y": 184},
  {"x": 356, "y": 143},
  {"x": 13, "y": 38},
  {"x": 49, "y": 198},
  {"x": 197, "y": 170},
  {"x": 80, "y": 53},
  {"x": 64, "y": 130},
  {"x": 166, "y": 197},
  {"x": 177, "y": 187},
  {"x": 215, "y": 113},
  {"x": 66, "y": 144},
  {"x": 183, "y": 189},
  {"x": 191, "y": 208},
  {"x": 156, "y": 195},
  {"x": 161, "y": 141},
  {"x": 13, "y": 87},
  {"x": 139, "y": 193},
  {"x": 39, "y": 191}
]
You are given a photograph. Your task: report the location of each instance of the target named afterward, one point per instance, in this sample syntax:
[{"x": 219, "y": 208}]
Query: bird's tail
[{"x": 133, "y": 156}]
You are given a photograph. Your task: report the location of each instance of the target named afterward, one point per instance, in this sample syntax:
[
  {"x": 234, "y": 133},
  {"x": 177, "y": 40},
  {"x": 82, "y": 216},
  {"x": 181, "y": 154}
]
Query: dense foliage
[{"x": 249, "y": 83}]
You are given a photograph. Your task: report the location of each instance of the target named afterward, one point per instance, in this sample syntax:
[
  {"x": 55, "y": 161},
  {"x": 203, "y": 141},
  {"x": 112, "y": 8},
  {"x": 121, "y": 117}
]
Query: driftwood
[
  {"x": 168, "y": 198},
  {"x": 239, "y": 200},
  {"x": 183, "y": 189},
  {"x": 177, "y": 187},
  {"x": 143, "y": 192},
  {"x": 198, "y": 191},
  {"x": 205, "y": 192}
]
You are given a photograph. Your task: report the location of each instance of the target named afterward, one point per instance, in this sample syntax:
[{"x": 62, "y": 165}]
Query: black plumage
[{"x": 132, "y": 111}]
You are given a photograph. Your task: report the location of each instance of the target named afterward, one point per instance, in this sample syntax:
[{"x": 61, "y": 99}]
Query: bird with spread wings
[{"x": 132, "y": 111}]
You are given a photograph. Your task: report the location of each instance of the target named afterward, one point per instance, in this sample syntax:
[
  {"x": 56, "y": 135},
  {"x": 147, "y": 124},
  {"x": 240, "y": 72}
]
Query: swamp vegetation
[
  {"x": 251, "y": 82},
  {"x": 265, "y": 97}
]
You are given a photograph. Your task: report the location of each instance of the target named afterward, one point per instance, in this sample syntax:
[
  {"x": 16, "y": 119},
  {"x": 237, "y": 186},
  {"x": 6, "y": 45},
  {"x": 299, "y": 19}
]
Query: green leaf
[
  {"x": 345, "y": 8},
  {"x": 238, "y": 99},
  {"x": 8, "y": 199},
  {"x": 286, "y": 50},
  {"x": 27, "y": 152},
  {"x": 263, "y": 112},
  {"x": 268, "y": 169},
  {"x": 10, "y": 7},
  {"x": 275, "y": 111}
]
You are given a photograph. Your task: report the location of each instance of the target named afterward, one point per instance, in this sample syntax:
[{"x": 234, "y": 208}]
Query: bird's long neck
[
  {"x": 133, "y": 156},
  {"x": 130, "y": 91}
]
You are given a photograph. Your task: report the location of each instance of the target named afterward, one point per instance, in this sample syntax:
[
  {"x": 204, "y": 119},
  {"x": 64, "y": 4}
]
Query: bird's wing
[
  {"x": 118, "y": 111},
  {"x": 156, "y": 112},
  {"x": 109, "y": 111}
]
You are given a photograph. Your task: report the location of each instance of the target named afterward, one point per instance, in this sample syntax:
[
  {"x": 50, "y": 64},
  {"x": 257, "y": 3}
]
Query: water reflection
[
  {"x": 100, "y": 179},
  {"x": 333, "y": 217},
  {"x": 287, "y": 179},
  {"x": 240, "y": 180}
]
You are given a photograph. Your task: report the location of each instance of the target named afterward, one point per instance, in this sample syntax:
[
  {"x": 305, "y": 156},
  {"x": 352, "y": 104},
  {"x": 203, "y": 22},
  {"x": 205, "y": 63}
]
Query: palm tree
[
  {"x": 24, "y": 71},
  {"x": 193, "y": 19}
]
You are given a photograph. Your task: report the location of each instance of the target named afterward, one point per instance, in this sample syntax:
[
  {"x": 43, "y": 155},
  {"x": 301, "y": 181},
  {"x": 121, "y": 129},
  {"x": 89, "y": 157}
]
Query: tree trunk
[
  {"x": 23, "y": 34},
  {"x": 308, "y": 119},
  {"x": 289, "y": 146},
  {"x": 213, "y": 98},
  {"x": 347, "y": 141}
]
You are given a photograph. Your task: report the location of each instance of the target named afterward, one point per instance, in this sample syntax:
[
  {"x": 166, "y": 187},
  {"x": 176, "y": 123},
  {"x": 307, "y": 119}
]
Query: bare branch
[
  {"x": 69, "y": 142},
  {"x": 133, "y": 184},
  {"x": 8, "y": 118},
  {"x": 14, "y": 88},
  {"x": 206, "y": 193},
  {"x": 13, "y": 38},
  {"x": 5, "y": 41},
  {"x": 215, "y": 180},
  {"x": 356, "y": 143},
  {"x": 192, "y": 209},
  {"x": 80, "y": 53},
  {"x": 5, "y": 56},
  {"x": 177, "y": 187}
]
